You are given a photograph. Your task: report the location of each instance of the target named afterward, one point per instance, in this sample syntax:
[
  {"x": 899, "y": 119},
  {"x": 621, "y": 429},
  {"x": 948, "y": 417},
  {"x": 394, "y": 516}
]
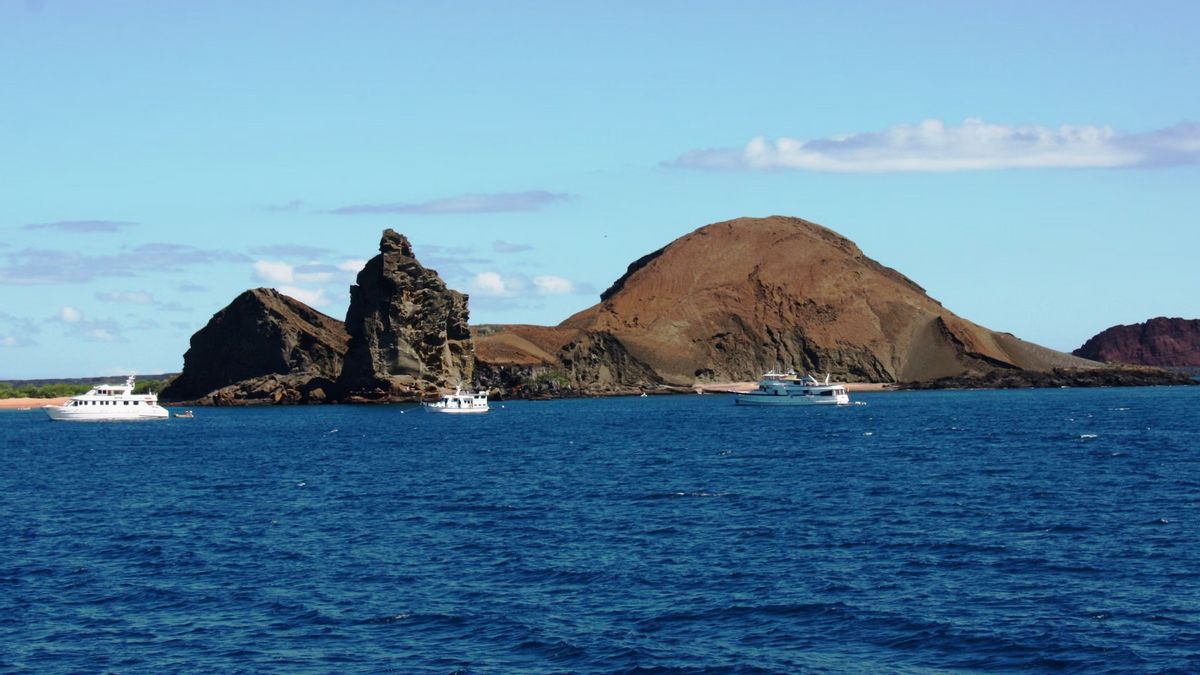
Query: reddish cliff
[{"x": 1157, "y": 342}]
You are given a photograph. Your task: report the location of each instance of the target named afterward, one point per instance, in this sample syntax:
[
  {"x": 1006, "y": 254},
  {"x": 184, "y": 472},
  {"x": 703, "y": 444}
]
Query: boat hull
[
  {"x": 434, "y": 407},
  {"x": 60, "y": 413},
  {"x": 773, "y": 400}
]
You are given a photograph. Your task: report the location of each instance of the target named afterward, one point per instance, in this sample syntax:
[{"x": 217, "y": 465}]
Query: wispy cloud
[
  {"x": 81, "y": 226},
  {"x": 140, "y": 298},
  {"x": 973, "y": 145},
  {"x": 279, "y": 272},
  {"x": 290, "y": 251},
  {"x": 304, "y": 282},
  {"x": 126, "y": 297},
  {"x": 49, "y": 266},
  {"x": 78, "y": 326},
  {"x": 501, "y": 202},
  {"x": 17, "y": 331},
  {"x": 506, "y": 247},
  {"x": 287, "y": 207}
]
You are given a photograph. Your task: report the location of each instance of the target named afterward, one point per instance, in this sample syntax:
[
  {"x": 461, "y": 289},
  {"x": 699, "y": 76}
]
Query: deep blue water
[{"x": 987, "y": 530}]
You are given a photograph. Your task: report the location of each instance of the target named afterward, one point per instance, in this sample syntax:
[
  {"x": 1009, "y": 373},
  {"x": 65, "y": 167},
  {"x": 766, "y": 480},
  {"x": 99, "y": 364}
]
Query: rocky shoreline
[
  {"x": 1130, "y": 376},
  {"x": 775, "y": 292}
]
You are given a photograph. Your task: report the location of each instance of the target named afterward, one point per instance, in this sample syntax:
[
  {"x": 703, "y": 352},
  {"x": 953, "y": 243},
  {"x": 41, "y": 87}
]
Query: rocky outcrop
[
  {"x": 408, "y": 331},
  {"x": 1058, "y": 377},
  {"x": 736, "y": 298},
  {"x": 264, "y": 346},
  {"x": 1158, "y": 342}
]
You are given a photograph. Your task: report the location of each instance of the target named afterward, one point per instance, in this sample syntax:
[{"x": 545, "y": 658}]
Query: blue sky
[{"x": 1033, "y": 165}]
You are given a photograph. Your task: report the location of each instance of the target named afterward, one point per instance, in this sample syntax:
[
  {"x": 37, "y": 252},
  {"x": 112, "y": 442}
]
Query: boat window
[{"x": 827, "y": 393}]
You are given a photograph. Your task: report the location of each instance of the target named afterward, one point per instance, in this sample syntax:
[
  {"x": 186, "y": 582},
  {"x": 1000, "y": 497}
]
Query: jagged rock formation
[
  {"x": 263, "y": 347},
  {"x": 408, "y": 331},
  {"x": 733, "y": 299},
  {"x": 1160, "y": 342}
]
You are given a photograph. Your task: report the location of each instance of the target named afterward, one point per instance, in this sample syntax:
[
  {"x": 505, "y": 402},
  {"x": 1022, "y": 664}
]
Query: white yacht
[
  {"x": 460, "y": 402},
  {"x": 105, "y": 402},
  {"x": 791, "y": 389}
]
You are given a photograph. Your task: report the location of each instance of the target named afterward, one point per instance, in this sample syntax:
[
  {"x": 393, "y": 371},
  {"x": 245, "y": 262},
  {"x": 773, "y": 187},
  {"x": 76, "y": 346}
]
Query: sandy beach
[{"x": 7, "y": 403}]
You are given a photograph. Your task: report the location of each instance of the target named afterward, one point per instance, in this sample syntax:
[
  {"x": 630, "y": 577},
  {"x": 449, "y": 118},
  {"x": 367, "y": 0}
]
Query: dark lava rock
[
  {"x": 1057, "y": 377},
  {"x": 1157, "y": 342},
  {"x": 263, "y": 347},
  {"x": 408, "y": 331}
]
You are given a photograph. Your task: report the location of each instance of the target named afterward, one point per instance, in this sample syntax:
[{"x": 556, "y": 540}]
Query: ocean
[{"x": 1054, "y": 530}]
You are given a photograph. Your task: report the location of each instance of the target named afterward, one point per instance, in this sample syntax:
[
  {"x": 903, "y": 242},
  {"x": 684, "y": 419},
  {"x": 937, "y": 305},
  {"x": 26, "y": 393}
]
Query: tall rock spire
[{"x": 408, "y": 331}]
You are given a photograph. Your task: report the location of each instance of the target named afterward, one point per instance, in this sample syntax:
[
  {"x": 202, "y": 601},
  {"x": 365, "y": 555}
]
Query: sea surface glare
[{"x": 925, "y": 531}]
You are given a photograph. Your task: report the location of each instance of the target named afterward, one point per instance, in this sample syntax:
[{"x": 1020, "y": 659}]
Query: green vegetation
[
  {"x": 150, "y": 386},
  {"x": 555, "y": 379},
  {"x": 43, "y": 390},
  {"x": 60, "y": 389}
]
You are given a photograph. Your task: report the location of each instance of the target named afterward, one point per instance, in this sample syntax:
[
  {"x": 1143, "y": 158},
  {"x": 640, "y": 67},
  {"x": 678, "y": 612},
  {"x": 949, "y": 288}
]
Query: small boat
[
  {"x": 460, "y": 402},
  {"x": 185, "y": 415},
  {"x": 105, "y": 402},
  {"x": 791, "y": 389}
]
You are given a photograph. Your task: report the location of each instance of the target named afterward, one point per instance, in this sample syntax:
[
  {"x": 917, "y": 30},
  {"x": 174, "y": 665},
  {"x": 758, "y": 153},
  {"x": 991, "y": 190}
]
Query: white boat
[
  {"x": 791, "y": 389},
  {"x": 105, "y": 402},
  {"x": 460, "y": 402}
]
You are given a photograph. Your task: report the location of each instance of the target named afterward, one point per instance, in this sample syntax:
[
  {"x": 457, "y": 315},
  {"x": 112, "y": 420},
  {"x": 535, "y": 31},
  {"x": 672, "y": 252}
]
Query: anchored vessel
[
  {"x": 109, "y": 402},
  {"x": 791, "y": 389},
  {"x": 460, "y": 402}
]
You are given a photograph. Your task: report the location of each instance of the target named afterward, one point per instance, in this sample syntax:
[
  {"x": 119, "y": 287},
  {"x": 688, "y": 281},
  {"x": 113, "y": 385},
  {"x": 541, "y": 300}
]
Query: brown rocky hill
[
  {"x": 408, "y": 331},
  {"x": 265, "y": 347},
  {"x": 735, "y": 298},
  {"x": 1162, "y": 341}
]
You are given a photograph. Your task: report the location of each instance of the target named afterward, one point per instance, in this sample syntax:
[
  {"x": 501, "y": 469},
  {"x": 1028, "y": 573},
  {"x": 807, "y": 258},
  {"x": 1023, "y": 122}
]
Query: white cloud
[
  {"x": 310, "y": 297},
  {"x": 352, "y": 265},
  {"x": 552, "y": 285},
  {"x": 496, "y": 285},
  {"x": 490, "y": 284},
  {"x": 70, "y": 315},
  {"x": 933, "y": 145},
  {"x": 274, "y": 272}
]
